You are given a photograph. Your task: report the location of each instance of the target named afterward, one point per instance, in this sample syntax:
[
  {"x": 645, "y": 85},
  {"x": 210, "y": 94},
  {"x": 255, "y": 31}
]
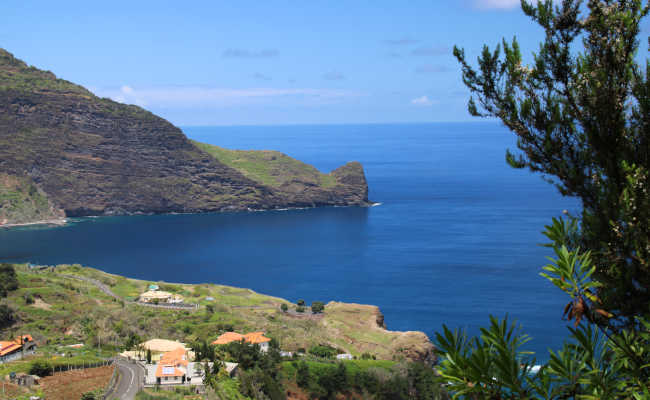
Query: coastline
[
  {"x": 64, "y": 221},
  {"x": 56, "y": 222}
]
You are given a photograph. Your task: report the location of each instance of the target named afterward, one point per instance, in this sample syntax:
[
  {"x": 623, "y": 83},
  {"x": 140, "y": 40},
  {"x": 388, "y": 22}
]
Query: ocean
[{"x": 454, "y": 238}]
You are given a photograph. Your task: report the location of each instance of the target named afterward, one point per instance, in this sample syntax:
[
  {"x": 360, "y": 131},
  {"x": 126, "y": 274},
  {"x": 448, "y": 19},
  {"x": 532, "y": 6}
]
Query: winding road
[{"x": 129, "y": 382}]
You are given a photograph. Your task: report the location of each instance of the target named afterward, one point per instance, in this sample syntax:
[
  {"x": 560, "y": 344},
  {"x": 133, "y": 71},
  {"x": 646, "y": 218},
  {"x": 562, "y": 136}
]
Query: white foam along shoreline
[{"x": 58, "y": 222}]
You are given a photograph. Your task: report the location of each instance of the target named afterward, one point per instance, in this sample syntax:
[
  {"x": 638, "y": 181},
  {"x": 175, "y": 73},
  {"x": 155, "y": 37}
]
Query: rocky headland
[{"x": 66, "y": 152}]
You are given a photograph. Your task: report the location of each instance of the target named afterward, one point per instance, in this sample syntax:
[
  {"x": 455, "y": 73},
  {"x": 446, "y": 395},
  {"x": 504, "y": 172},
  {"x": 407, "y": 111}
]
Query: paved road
[{"x": 130, "y": 381}]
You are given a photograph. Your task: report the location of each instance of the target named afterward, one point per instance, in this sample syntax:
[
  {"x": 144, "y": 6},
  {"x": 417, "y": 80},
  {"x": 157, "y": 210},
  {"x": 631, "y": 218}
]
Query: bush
[
  {"x": 29, "y": 299},
  {"x": 284, "y": 307},
  {"x": 323, "y": 351},
  {"x": 88, "y": 396},
  {"x": 301, "y": 302},
  {"x": 8, "y": 279},
  {"x": 300, "y": 309},
  {"x": 7, "y": 317},
  {"x": 302, "y": 374},
  {"x": 41, "y": 368},
  {"x": 317, "y": 307}
]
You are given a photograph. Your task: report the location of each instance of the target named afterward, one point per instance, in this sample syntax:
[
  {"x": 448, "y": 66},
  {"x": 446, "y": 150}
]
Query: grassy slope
[
  {"x": 268, "y": 167},
  {"x": 68, "y": 311},
  {"x": 21, "y": 201}
]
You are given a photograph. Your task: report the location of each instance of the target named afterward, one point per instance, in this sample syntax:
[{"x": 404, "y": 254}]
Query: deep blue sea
[{"x": 455, "y": 239}]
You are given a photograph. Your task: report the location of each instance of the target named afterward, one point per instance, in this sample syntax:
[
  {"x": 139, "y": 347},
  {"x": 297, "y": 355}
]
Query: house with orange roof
[
  {"x": 251, "y": 338},
  {"x": 17, "y": 348},
  {"x": 229, "y": 337},
  {"x": 175, "y": 368},
  {"x": 259, "y": 339},
  {"x": 172, "y": 367}
]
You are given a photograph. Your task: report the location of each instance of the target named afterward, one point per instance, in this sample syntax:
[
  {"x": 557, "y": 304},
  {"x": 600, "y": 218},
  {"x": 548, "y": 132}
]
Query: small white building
[
  {"x": 345, "y": 356},
  {"x": 159, "y": 296}
]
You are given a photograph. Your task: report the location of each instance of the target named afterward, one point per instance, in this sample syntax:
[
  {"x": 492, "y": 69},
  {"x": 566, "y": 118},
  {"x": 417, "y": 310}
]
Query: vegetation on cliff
[
  {"x": 21, "y": 201},
  {"x": 65, "y": 311},
  {"x": 269, "y": 167},
  {"x": 94, "y": 156}
]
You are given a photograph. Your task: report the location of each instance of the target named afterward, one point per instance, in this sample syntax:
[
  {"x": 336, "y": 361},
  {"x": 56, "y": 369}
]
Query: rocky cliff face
[{"x": 94, "y": 156}]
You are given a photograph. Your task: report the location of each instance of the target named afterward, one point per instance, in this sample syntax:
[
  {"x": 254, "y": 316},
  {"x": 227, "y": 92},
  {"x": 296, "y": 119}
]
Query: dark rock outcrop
[{"x": 94, "y": 156}]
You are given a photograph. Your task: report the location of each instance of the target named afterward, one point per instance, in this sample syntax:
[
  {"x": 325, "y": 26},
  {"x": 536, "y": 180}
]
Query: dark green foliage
[
  {"x": 317, "y": 307},
  {"x": 41, "y": 368},
  {"x": 7, "y": 316},
  {"x": 8, "y": 279},
  {"x": 300, "y": 309},
  {"x": 259, "y": 372},
  {"x": 29, "y": 299},
  {"x": 204, "y": 351},
  {"x": 403, "y": 381},
  {"x": 132, "y": 341},
  {"x": 88, "y": 396},
  {"x": 323, "y": 351},
  {"x": 580, "y": 113},
  {"x": 148, "y": 356},
  {"x": 284, "y": 307},
  {"x": 300, "y": 302},
  {"x": 302, "y": 374}
]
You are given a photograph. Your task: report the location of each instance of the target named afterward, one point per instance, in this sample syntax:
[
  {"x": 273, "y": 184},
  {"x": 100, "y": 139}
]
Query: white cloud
[
  {"x": 501, "y": 4},
  {"x": 126, "y": 89},
  {"x": 198, "y": 96},
  {"x": 422, "y": 101}
]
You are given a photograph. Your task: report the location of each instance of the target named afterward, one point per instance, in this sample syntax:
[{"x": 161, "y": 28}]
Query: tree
[
  {"x": 148, "y": 356},
  {"x": 41, "y": 368},
  {"x": 8, "y": 279},
  {"x": 302, "y": 374},
  {"x": 300, "y": 309},
  {"x": 317, "y": 307},
  {"x": 284, "y": 307},
  {"x": 7, "y": 317},
  {"x": 301, "y": 302},
  {"x": 581, "y": 119}
]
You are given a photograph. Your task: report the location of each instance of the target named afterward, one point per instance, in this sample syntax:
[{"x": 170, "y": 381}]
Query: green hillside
[{"x": 268, "y": 167}]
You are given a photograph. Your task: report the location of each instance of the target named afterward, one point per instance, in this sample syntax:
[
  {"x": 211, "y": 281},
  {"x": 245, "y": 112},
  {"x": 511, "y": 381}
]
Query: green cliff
[{"x": 87, "y": 155}]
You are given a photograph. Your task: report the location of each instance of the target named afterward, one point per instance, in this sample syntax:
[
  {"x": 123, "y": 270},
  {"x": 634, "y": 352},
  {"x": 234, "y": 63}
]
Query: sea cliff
[{"x": 86, "y": 155}]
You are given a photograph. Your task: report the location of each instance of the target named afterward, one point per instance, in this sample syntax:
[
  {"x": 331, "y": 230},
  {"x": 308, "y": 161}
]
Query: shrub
[
  {"x": 41, "y": 368},
  {"x": 284, "y": 307},
  {"x": 300, "y": 309},
  {"x": 88, "y": 396},
  {"x": 317, "y": 307},
  {"x": 29, "y": 299},
  {"x": 301, "y": 302},
  {"x": 323, "y": 351},
  {"x": 7, "y": 317},
  {"x": 8, "y": 279}
]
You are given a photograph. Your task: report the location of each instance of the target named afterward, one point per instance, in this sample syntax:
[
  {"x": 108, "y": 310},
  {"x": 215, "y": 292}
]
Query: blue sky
[{"x": 267, "y": 62}]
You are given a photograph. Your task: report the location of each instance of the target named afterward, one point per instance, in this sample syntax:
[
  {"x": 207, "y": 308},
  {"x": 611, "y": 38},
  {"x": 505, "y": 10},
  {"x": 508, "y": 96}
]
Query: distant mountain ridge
[{"x": 94, "y": 156}]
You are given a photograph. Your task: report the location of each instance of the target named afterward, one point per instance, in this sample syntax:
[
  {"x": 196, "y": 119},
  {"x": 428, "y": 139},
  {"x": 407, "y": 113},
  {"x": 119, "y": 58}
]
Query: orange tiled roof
[
  {"x": 256, "y": 338},
  {"x": 25, "y": 338},
  {"x": 229, "y": 337},
  {"x": 168, "y": 370},
  {"x": 175, "y": 357},
  {"x": 8, "y": 347}
]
